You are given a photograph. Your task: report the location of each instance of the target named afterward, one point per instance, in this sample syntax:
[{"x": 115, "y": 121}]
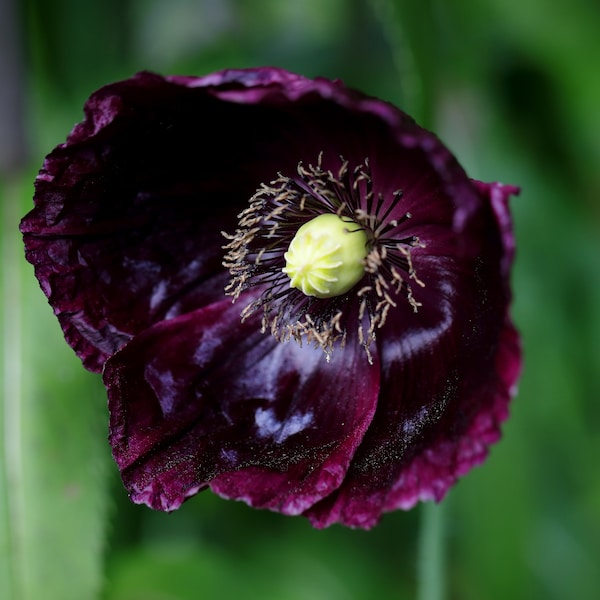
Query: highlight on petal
[
  {"x": 177, "y": 194},
  {"x": 279, "y": 434}
]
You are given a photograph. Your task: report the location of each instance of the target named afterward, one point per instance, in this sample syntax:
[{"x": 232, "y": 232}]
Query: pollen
[{"x": 326, "y": 257}]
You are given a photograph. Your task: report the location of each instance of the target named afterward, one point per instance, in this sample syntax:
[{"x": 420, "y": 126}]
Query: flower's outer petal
[
  {"x": 499, "y": 195},
  {"x": 127, "y": 225},
  {"x": 447, "y": 379},
  {"x": 128, "y": 212},
  {"x": 206, "y": 400}
]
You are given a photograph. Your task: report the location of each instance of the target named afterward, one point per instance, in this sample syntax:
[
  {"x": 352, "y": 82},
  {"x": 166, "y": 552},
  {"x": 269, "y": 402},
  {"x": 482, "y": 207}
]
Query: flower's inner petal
[
  {"x": 447, "y": 378},
  {"x": 204, "y": 399}
]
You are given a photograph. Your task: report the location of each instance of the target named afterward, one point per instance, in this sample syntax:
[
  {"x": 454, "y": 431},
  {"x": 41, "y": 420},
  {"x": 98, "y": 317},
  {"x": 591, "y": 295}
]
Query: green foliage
[{"x": 53, "y": 456}]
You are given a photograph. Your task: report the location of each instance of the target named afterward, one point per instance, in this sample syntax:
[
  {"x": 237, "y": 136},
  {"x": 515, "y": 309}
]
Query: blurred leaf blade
[
  {"x": 53, "y": 482},
  {"x": 11, "y": 520},
  {"x": 407, "y": 25}
]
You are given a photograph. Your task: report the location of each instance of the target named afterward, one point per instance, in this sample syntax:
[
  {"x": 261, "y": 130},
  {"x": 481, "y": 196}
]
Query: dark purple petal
[
  {"x": 203, "y": 399},
  {"x": 499, "y": 195},
  {"x": 448, "y": 374},
  {"x": 126, "y": 227}
]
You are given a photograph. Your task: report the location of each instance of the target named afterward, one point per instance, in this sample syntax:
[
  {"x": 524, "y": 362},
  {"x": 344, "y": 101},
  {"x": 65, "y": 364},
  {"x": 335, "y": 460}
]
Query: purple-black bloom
[{"x": 160, "y": 234}]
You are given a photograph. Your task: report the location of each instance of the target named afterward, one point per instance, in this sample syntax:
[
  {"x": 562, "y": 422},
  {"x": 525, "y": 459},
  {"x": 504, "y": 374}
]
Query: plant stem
[
  {"x": 13, "y": 522},
  {"x": 431, "y": 574},
  {"x": 410, "y": 29}
]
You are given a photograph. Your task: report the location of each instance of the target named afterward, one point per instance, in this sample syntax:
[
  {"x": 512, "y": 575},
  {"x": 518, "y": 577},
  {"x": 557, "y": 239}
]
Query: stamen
[{"x": 307, "y": 241}]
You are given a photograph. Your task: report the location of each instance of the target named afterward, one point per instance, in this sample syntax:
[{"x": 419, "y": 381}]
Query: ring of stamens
[{"x": 255, "y": 256}]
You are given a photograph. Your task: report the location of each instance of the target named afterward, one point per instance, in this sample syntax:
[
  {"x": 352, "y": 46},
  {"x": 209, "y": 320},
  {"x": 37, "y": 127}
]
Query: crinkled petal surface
[
  {"x": 125, "y": 238},
  {"x": 203, "y": 399},
  {"x": 448, "y": 374}
]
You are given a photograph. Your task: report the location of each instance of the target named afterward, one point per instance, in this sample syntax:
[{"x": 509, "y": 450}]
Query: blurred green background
[{"x": 513, "y": 88}]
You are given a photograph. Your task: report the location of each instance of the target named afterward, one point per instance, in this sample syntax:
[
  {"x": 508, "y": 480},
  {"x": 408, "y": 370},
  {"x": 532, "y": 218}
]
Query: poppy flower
[{"x": 296, "y": 295}]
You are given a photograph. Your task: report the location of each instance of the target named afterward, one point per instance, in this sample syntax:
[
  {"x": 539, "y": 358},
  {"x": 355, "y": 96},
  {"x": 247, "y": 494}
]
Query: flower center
[{"x": 326, "y": 256}]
